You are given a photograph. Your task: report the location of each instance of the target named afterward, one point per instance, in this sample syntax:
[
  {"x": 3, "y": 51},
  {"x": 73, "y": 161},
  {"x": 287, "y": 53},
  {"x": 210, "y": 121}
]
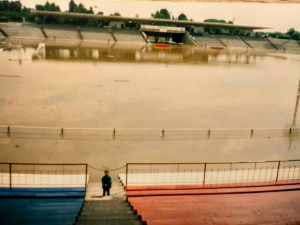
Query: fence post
[
  {"x": 10, "y": 176},
  {"x": 204, "y": 174},
  {"x": 290, "y": 132},
  {"x": 208, "y": 133},
  {"x": 163, "y": 133},
  {"x": 86, "y": 175},
  {"x": 62, "y": 133},
  {"x": 277, "y": 171},
  {"x": 114, "y": 133},
  {"x": 252, "y": 132},
  {"x": 8, "y": 131},
  {"x": 126, "y": 176}
]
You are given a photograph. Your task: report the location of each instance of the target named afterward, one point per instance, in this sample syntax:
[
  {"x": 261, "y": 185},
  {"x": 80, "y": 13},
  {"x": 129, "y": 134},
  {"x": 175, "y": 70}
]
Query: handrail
[
  {"x": 194, "y": 163},
  {"x": 10, "y": 173},
  {"x": 246, "y": 176},
  {"x": 46, "y": 164}
]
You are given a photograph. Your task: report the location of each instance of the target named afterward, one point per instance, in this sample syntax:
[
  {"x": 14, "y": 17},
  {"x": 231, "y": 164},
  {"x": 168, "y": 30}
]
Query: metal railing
[
  {"x": 43, "y": 175},
  {"x": 212, "y": 174},
  {"x": 144, "y": 134}
]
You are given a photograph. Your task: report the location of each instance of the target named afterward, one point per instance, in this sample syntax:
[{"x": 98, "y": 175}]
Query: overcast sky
[{"x": 279, "y": 16}]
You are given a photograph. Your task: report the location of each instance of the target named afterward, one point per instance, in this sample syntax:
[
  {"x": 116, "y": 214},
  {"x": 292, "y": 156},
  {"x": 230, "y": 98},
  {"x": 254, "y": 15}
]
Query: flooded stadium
[
  {"x": 137, "y": 87},
  {"x": 190, "y": 111}
]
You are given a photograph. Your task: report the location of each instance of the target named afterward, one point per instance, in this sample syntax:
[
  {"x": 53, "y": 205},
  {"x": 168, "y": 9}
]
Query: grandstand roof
[{"x": 146, "y": 20}]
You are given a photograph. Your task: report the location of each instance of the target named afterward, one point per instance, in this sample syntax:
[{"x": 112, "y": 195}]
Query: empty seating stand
[
  {"x": 22, "y": 30},
  {"x": 258, "y": 43},
  {"x": 61, "y": 31},
  {"x": 208, "y": 40},
  {"x": 123, "y": 35},
  {"x": 284, "y": 44},
  {"x": 271, "y": 207},
  {"x": 232, "y": 41},
  {"x": 40, "y": 206},
  {"x": 98, "y": 34}
]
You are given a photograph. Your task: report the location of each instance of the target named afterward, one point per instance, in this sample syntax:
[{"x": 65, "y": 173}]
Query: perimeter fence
[
  {"x": 211, "y": 174},
  {"x": 31, "y": 175},
  {"x": 144, "y": 134}
]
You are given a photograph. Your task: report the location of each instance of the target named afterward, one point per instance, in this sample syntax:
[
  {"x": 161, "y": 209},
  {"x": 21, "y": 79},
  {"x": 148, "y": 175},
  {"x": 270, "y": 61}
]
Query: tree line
[
  {"x": 14, "y": 11},
  {"x": 290, "y": 34}
]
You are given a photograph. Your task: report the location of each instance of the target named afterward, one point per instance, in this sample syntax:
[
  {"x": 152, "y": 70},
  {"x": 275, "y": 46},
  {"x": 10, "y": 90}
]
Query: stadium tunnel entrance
[{"x": 158, "y": 34}]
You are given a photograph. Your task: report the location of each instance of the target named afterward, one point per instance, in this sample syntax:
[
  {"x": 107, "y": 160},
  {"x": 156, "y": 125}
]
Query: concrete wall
[
  {"x": 115, "y": 24},
  {"x": 198, "y": 29}
]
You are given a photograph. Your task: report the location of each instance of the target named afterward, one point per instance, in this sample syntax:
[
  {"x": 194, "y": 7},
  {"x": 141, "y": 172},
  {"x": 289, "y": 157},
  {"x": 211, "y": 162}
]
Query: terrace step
[
  {"x": 108, "y": 210},
  {"x": 107, "y": 217},
  {"x": 111, "y": 222}
]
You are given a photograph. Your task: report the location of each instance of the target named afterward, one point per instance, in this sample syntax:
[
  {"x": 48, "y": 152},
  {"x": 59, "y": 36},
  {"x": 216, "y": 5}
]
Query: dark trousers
[{"x": 106, "y": 190}]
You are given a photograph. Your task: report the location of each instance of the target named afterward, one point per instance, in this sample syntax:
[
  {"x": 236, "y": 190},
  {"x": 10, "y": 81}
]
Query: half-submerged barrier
[
  {"x": 206, "y": 175},
  {"x": 144, "y": 134}
]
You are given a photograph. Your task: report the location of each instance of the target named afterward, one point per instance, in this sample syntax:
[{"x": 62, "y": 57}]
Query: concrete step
[
  {"x": 107, "y": 217},
  {"x": 105, "y": 210},
  {"x": 101, "y": 203},
  {"x": 112, "y": 222},
  {"x": 122, "y": 204},
  {"x": 108, "y": 212}
]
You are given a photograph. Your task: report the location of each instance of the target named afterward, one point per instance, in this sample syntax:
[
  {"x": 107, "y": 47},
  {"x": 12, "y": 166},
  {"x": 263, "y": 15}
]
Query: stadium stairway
[
  {"x": 247, "y": 44},
  {"x": 108, "y": 210},
  {"x": 216, "y": 37}
]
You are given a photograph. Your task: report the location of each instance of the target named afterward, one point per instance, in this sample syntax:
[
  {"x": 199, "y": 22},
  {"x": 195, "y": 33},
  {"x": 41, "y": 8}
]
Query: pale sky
[{"x": 279, "y": 16}]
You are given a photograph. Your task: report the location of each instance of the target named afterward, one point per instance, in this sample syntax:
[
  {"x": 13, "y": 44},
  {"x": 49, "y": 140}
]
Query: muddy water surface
[{"x": 145, "y": 88}]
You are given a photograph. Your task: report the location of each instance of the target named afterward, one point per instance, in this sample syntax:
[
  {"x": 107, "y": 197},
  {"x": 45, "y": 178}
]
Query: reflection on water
[{"x": 178, "y": 54}]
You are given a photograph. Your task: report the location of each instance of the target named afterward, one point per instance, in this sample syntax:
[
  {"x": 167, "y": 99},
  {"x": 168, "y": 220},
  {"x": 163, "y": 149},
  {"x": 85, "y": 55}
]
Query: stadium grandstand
[{"x": 113, "y": 29}]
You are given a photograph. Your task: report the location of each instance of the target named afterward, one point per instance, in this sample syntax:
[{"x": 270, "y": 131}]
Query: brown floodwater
[{"x": 141, "y": 87}]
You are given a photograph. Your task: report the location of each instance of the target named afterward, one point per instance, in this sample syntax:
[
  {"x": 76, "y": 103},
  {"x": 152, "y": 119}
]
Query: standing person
[{"x": 106, "y": 183}]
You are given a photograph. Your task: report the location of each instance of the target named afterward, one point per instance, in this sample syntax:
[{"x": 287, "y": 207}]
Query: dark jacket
[{"x": 106, "y": 181}]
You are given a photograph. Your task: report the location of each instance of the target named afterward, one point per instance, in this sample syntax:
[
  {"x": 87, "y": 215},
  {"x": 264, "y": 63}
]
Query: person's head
[{"x": 106, "y": 172}]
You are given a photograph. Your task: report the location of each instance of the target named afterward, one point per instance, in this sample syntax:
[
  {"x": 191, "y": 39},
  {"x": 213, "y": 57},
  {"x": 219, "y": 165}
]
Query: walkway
[{"x": 108, "y": 210}]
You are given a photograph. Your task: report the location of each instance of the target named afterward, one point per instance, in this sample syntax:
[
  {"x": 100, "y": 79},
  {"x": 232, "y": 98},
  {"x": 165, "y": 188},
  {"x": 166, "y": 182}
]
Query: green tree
[
  {"x": 13, "y": 11},
  {"x": 290, "y": 31},
  {"x": 81, "y": 8},
  {"x": 162, "y": 14},
  {"x": 48, "y": 7},
  {"x": 16, "y": 6},
  {"x": 182, "y": 17},
  {"x": 4, "y": 5},
  {"x": 115, "y": 14},
  {"x": 90, "y": 11},
  {"x": 295, "y": 35},
  {"x": 73, "y": 6},
  {"x": 214, "y": 21}
]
